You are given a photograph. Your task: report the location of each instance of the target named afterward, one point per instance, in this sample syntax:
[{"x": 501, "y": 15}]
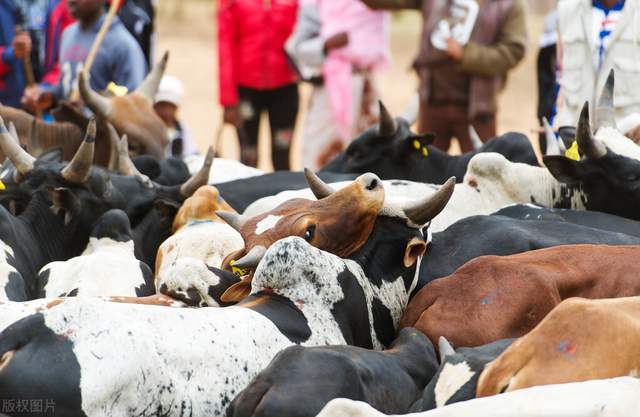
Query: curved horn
[
  {"x": 200, "y": 178},
  {"x": 475, "y": 138},
  {"x": 77, "y": 171},
  {"x": 126, "y": 165},
  {"x": 33, "y": 144},
  {"x": 233, "y": 219},
  {"x": 553, "y": 147},
  {"x": 251, "y": 259},
  {"x": 318, "y": 187},
  {"x": 98, "y": 104},
  {"x": 445, "y": 348},
  {"x": 149, "y": 86},
  {"x": 114, "y": 149},
  {"x": 605, "y": 113},
  {"x": 588, "y": 145},
  {"x": 387, "y": 126},
  {"x": 18, "y": 156},
  {"x": 425, "y": 210},
  {"x": 14, "y": 132}
]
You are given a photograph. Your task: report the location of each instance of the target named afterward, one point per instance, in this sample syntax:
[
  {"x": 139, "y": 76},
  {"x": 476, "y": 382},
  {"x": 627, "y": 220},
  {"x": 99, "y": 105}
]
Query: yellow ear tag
[
  {"x": 239, "y": 272},
  {"x": 117, "y": 90},
  {"x": 425, "y": 151},
  {"x": 572, "y": 152},
  {"x": 416, "y": 144},
  {"x": 2, "y": 186}
]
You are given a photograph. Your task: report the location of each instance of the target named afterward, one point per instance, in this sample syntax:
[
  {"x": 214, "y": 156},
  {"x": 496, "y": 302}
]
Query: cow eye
[{"x": 308, "y": 234}]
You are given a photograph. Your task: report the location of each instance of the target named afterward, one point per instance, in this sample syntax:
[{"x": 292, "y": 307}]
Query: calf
[
  {"x": 389, "y": 380},
  {"x": 579, "y": 340},
  {"x": 457, "y": 377},
  {"x": 392, "y": 151},
  {"x": 107, "y": 266},
  {"x": 193, "y": 361},
  {"x": 498, "y": 297},
  {"x": 603, "y": 398}
]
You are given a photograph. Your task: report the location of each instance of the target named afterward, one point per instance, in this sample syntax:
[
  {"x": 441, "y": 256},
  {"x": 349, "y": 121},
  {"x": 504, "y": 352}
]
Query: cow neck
[{"x": 435, "y": 167}]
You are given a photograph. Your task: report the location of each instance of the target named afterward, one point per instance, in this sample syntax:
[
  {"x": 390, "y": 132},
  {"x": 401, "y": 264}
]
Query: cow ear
[
  {"x": 237, "y": 291},
  {"x": 415, "y": 249},
  {"x": 419, "y": 143},
  {"x": 63, "y": 198},
  {"x": 563, "y": 169},
  {"x": 166, "y": 208},
  {"x": 52, "y": 155}
]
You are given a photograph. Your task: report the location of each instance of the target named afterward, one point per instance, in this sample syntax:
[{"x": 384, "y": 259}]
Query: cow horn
[
  {"x": 387, "y": 126},
  {"x": 553, "y": 147},
  {"x": 77, "y": 171},
  {"x": 12, "y": 149},
  {"x": 126, "y": 165},
  {"x": 251, "y": 259},
  {"x": 114, "y": 149},
  {"x": 200, "y": 178},
  {"x": 149, "y": 86},
  {"x": 475, "y": 138},
  {"x": 233, "y": 219},
  {"x": 445, "y": 348},
  {"x": 425, "y": 210},
  {"x": 605, "y": 113},
  {"x": 98, "y": 104},
  {"x": 588, "y": 145},
  {"x": 33, "y": 144},
  {"x": 318, "y": 187},
  {"x": 14, "y": 132}
]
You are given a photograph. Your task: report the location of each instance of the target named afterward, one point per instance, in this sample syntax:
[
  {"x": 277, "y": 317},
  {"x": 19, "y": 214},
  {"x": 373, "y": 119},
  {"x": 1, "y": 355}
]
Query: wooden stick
[{"x": 75, "y": 95}]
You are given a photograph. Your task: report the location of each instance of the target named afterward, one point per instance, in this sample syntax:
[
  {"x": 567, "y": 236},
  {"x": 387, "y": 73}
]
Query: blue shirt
[{"x": 119, "y": 58}]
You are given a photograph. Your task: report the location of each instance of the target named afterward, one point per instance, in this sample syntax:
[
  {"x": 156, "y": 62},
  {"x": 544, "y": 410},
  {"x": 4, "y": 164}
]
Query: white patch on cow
[
  {"x": 189, "y": 273},
  {"x": 618, "y": 143},
  {"x": 614, "y": 397},
  {"x": 5, "y": 268},
  {"x": 166, "y": 359},
  {"x": 267, "y": 223},
  {"x": 450, "y": 380},
  {"x": 223, "y": 170},
  {"x": 106, "y": 267}
]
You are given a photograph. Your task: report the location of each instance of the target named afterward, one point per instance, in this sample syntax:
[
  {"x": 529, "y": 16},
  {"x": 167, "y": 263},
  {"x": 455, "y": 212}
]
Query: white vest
[{"x": 579, "y": 81}]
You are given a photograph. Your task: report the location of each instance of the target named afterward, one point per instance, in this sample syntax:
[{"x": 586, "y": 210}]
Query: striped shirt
[{"x": 604, "y": 22}]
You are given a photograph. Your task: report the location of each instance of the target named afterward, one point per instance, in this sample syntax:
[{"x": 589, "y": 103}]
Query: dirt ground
[{"x": 187, "y": 29}]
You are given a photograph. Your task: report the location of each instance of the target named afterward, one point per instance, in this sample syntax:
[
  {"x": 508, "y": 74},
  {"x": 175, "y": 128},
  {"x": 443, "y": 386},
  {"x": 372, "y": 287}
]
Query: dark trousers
[
  {"x": 281, "y": 104},
  {"x": 451, "y": 120}
]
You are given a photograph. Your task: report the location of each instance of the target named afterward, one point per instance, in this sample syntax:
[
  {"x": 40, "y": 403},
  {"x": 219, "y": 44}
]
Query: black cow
[
  {"x": 392, "y": 151},
  {"x": 594, "y": 219},
  {"x": 300, "y": 381},
  {"x": 241, "y": 193},
  {"x": 457, "y": 376},
  {"x": 169, "y": 171},
  {"x": 477, "y": 236}
]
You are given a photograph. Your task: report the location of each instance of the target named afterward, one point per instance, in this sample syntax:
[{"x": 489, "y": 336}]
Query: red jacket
[{"x": 251, "y": 38}]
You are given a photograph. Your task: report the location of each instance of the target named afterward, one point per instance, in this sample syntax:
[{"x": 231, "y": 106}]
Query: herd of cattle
[{"x": 132, "y": 285}]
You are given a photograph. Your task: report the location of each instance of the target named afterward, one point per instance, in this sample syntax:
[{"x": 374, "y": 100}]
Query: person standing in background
[
  {"x": 595, "y": 37},
  {"x": 255, "y": 75},
  {"x": 547, "y": 69},
  {"x": 337, "y": 46},
  {"x": 58, "y": 20},
  {"x": 467, "y": 49},
  {"x": 14, "y": 47}
]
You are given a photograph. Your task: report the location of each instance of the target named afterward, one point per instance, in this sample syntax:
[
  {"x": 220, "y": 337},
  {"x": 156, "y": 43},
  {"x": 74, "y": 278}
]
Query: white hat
[{"x": 170, "y": 90}]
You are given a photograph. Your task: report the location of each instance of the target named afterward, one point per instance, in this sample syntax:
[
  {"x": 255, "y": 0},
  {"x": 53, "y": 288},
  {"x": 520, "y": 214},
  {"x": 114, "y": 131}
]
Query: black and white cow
[
  {"x": 499, "y": 235},
  {"x": 311, "y": 377},
  {"x": 457, "y": 377},
  {"x": 194, "y": 361},
  {"x": 107, "y": 266},
  {"x": 392, "y": 151}
]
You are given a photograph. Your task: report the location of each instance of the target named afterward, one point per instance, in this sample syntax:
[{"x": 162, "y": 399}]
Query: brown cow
[
  {"x": 499, "y": 297},
  {"x": 133, "y": 114},
  {"x": 579, "y": 340},
  {"x": 338, "y": 222}
]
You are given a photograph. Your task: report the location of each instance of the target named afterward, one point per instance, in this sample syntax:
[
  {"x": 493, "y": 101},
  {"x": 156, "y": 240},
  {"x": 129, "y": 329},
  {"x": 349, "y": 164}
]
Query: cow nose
[{"x": 371, "y": 181}]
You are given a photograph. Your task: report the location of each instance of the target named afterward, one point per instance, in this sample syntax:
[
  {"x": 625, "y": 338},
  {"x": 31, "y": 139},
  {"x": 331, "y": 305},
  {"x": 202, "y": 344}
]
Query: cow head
[
  {"x": 389, "y": 150},
  {"x": 366, "y": 293},
  {"x": 201, "y": 206},
  {"x": 609, "y": 165},
  {"x": 133, "y": 114},
  {"x": 338, "y": 222}
]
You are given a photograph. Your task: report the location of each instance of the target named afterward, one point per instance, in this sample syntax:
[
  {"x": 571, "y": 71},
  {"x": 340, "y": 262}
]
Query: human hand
[
  {"x": 36, "y": 98},
  {"x": 454, "y": 49},
  {"x": 339, "y": 40},
  {"x": 21, "y": 45}
]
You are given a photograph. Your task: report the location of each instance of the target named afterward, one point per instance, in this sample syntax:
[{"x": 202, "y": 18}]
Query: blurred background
[{"x": 187, "y": 28}]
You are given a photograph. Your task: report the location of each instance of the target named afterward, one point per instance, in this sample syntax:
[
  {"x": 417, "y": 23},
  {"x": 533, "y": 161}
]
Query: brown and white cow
[
  {"x": 499, "y": 297},
  {"x": 579, "y": 340}
]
